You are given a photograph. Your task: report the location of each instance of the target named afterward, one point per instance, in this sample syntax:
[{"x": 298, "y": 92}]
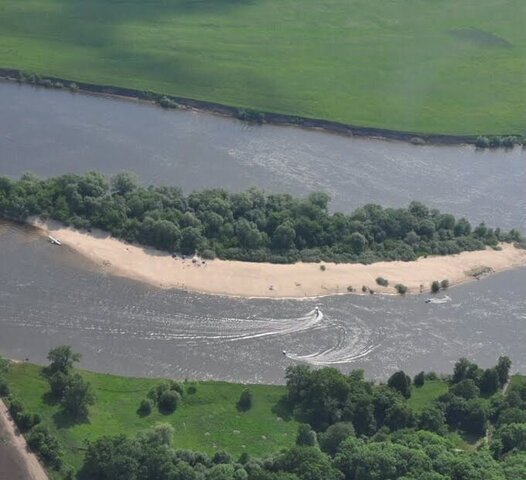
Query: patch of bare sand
[{"x": 298, "y": 280}]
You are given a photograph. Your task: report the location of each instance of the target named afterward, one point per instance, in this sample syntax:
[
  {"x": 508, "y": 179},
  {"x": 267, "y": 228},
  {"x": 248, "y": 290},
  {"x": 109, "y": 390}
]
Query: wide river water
[{"x": 50, "y": 296}]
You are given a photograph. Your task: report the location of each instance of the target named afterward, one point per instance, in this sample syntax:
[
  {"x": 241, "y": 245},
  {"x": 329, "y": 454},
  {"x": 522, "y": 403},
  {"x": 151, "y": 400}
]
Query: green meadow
[
  {"x": 429, "y": 66},
  {"x": 207, "y": 421}
]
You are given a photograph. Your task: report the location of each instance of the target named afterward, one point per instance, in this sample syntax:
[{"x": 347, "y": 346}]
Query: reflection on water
[{"x": 49, "y": 296}]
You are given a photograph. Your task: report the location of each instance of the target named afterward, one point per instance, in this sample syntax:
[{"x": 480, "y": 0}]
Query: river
[{"x": 50, "y": 296}]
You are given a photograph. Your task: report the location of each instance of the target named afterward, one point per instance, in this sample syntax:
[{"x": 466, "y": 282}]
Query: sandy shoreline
[{"x": 300, "y": 280}]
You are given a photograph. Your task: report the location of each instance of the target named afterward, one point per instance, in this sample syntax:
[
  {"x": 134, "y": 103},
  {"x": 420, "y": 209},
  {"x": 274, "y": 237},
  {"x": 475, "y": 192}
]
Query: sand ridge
[{"x": 248, "y": 279}]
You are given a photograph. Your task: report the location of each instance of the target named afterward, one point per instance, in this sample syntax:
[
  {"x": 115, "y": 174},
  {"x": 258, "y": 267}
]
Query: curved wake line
[
  {"x": 308, "y": 322},
  {"x": 327, "y": 357}
]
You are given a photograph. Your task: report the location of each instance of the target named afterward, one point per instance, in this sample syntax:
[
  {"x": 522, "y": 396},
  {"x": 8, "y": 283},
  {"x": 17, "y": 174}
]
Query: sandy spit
[{"x": 300, "y": 280}]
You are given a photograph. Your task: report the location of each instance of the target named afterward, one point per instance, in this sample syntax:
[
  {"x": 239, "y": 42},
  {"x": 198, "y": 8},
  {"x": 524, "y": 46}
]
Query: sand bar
[{"x": 300, "y": 280}]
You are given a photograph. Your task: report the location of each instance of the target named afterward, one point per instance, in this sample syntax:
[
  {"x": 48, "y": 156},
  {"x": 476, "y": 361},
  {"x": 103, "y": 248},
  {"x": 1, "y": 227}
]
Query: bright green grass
[
  {"x": 441, "y": 66},
  {"x": 425, "y": 395},
  {"x": 207, "y": 421},
  {"x": 517, "y": 381}
]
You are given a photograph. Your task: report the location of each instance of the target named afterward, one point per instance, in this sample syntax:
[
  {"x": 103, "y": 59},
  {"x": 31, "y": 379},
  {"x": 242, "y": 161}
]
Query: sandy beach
[{"x": 300, "y": 280}]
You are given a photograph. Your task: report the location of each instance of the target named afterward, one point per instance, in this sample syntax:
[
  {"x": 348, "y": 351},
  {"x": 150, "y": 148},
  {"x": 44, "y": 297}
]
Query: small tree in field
[
  {"x": 245, "y": 400},
  {"x": 78, "y": 396}
]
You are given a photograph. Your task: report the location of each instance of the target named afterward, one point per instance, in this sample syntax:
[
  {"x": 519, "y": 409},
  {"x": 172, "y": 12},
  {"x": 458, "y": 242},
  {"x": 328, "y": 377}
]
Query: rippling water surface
[{"x": 50, "y": 296}]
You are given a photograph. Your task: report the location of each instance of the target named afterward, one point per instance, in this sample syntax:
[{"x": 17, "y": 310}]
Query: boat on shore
[{"x": 54, "y": 241}]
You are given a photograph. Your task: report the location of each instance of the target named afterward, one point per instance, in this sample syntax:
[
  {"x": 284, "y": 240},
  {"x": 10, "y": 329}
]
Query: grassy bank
[
  {"x": 207, "y": 421},
  {"x": 447, "y": 67}
]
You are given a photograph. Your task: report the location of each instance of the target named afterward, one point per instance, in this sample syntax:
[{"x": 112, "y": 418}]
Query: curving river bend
[{"x": 50, "y": 296}]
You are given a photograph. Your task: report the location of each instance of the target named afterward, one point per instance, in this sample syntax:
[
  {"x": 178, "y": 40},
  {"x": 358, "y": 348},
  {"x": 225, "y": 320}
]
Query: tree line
[
  {"x": 249, "y": 226},
  {"x": 351, "y": 429}
]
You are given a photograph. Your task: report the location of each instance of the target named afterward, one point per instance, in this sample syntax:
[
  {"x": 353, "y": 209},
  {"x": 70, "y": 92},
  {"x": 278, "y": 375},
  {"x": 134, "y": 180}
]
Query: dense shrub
[
  {"x": 169, "y": 401},
  {"x": 419, "y": 379},
  {"x": 401, "y": 289},
  {"x": 4, "y": 388},
  {"x": 435, "y": 286},
  {"x": 245, "y": 400},
  {"x": 145, "y": 407},
  {"x": 383, "y": 282},
  {"x": 25, "y": 421},
  {"x": 46, "y": 446}
]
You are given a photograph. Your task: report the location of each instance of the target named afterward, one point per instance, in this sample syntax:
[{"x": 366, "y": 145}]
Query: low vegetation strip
[
  {"x": 249, "y": 226},
  {"x": 410, "y": 66}
]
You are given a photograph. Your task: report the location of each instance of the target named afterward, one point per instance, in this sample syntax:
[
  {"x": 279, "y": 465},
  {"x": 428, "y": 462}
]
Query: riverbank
[
  {"x": 206, "y": 421},
  {"x": 314, "y": 60},
  {"x": 251, "y": 116},
  {"x": 16, "y": 461},
  {"x": 300, "y": 280}
]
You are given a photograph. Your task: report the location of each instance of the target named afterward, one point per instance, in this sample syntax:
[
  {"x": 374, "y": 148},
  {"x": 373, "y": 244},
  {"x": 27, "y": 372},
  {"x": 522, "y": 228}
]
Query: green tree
[
  {"x": 357, "y": 242},
  {"x": 169, "y": 401},
  {"x": 332, "y": 438},
  {"x": 432, "y": 419},
  {"x": 419, "y": 379},
  {"x": 78, "y": 396},
  {"x": 245, "y": 400},
  {"x": 503, "y": 370},
  {"x": 466, "y": 389},
  {"x": 308, "y": 463},
  {"x": 283, "y": 237},
  {"x": 400, "y": 416},
  {"x": 400, "y": 382},
  {"x": 489, "y": 382},
  {"x": 306, "y": 436},
  {"x": 124, "y": 182},
  {"x": 61, "y": 359}
]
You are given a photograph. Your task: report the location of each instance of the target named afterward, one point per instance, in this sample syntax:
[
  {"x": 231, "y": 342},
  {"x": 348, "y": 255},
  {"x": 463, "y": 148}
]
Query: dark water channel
[{"x": 50, "y": 296}]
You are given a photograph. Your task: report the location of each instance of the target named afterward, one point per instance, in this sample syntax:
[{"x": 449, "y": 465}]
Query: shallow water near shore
[{"x": 50, "y": 296}]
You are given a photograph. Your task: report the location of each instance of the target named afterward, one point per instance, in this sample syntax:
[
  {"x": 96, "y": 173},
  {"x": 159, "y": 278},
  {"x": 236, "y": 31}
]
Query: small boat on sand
[{"x": 54, "y": 241}]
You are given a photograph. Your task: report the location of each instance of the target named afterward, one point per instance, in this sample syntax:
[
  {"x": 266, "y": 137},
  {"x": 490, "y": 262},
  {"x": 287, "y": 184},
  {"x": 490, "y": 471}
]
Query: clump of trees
[
  {"x": 248, "y": 226},
  {"x": 167, "y": 395},
  {"x": 383, "y": 282},
  {"x": 67, "y": 386}
]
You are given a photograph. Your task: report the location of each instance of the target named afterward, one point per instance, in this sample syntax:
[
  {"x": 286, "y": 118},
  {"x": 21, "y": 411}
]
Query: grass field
[
  {"x": 439, "y": 66},
  {"x": 207, "y": 421},
  {"x": 425, "y": 395}
]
